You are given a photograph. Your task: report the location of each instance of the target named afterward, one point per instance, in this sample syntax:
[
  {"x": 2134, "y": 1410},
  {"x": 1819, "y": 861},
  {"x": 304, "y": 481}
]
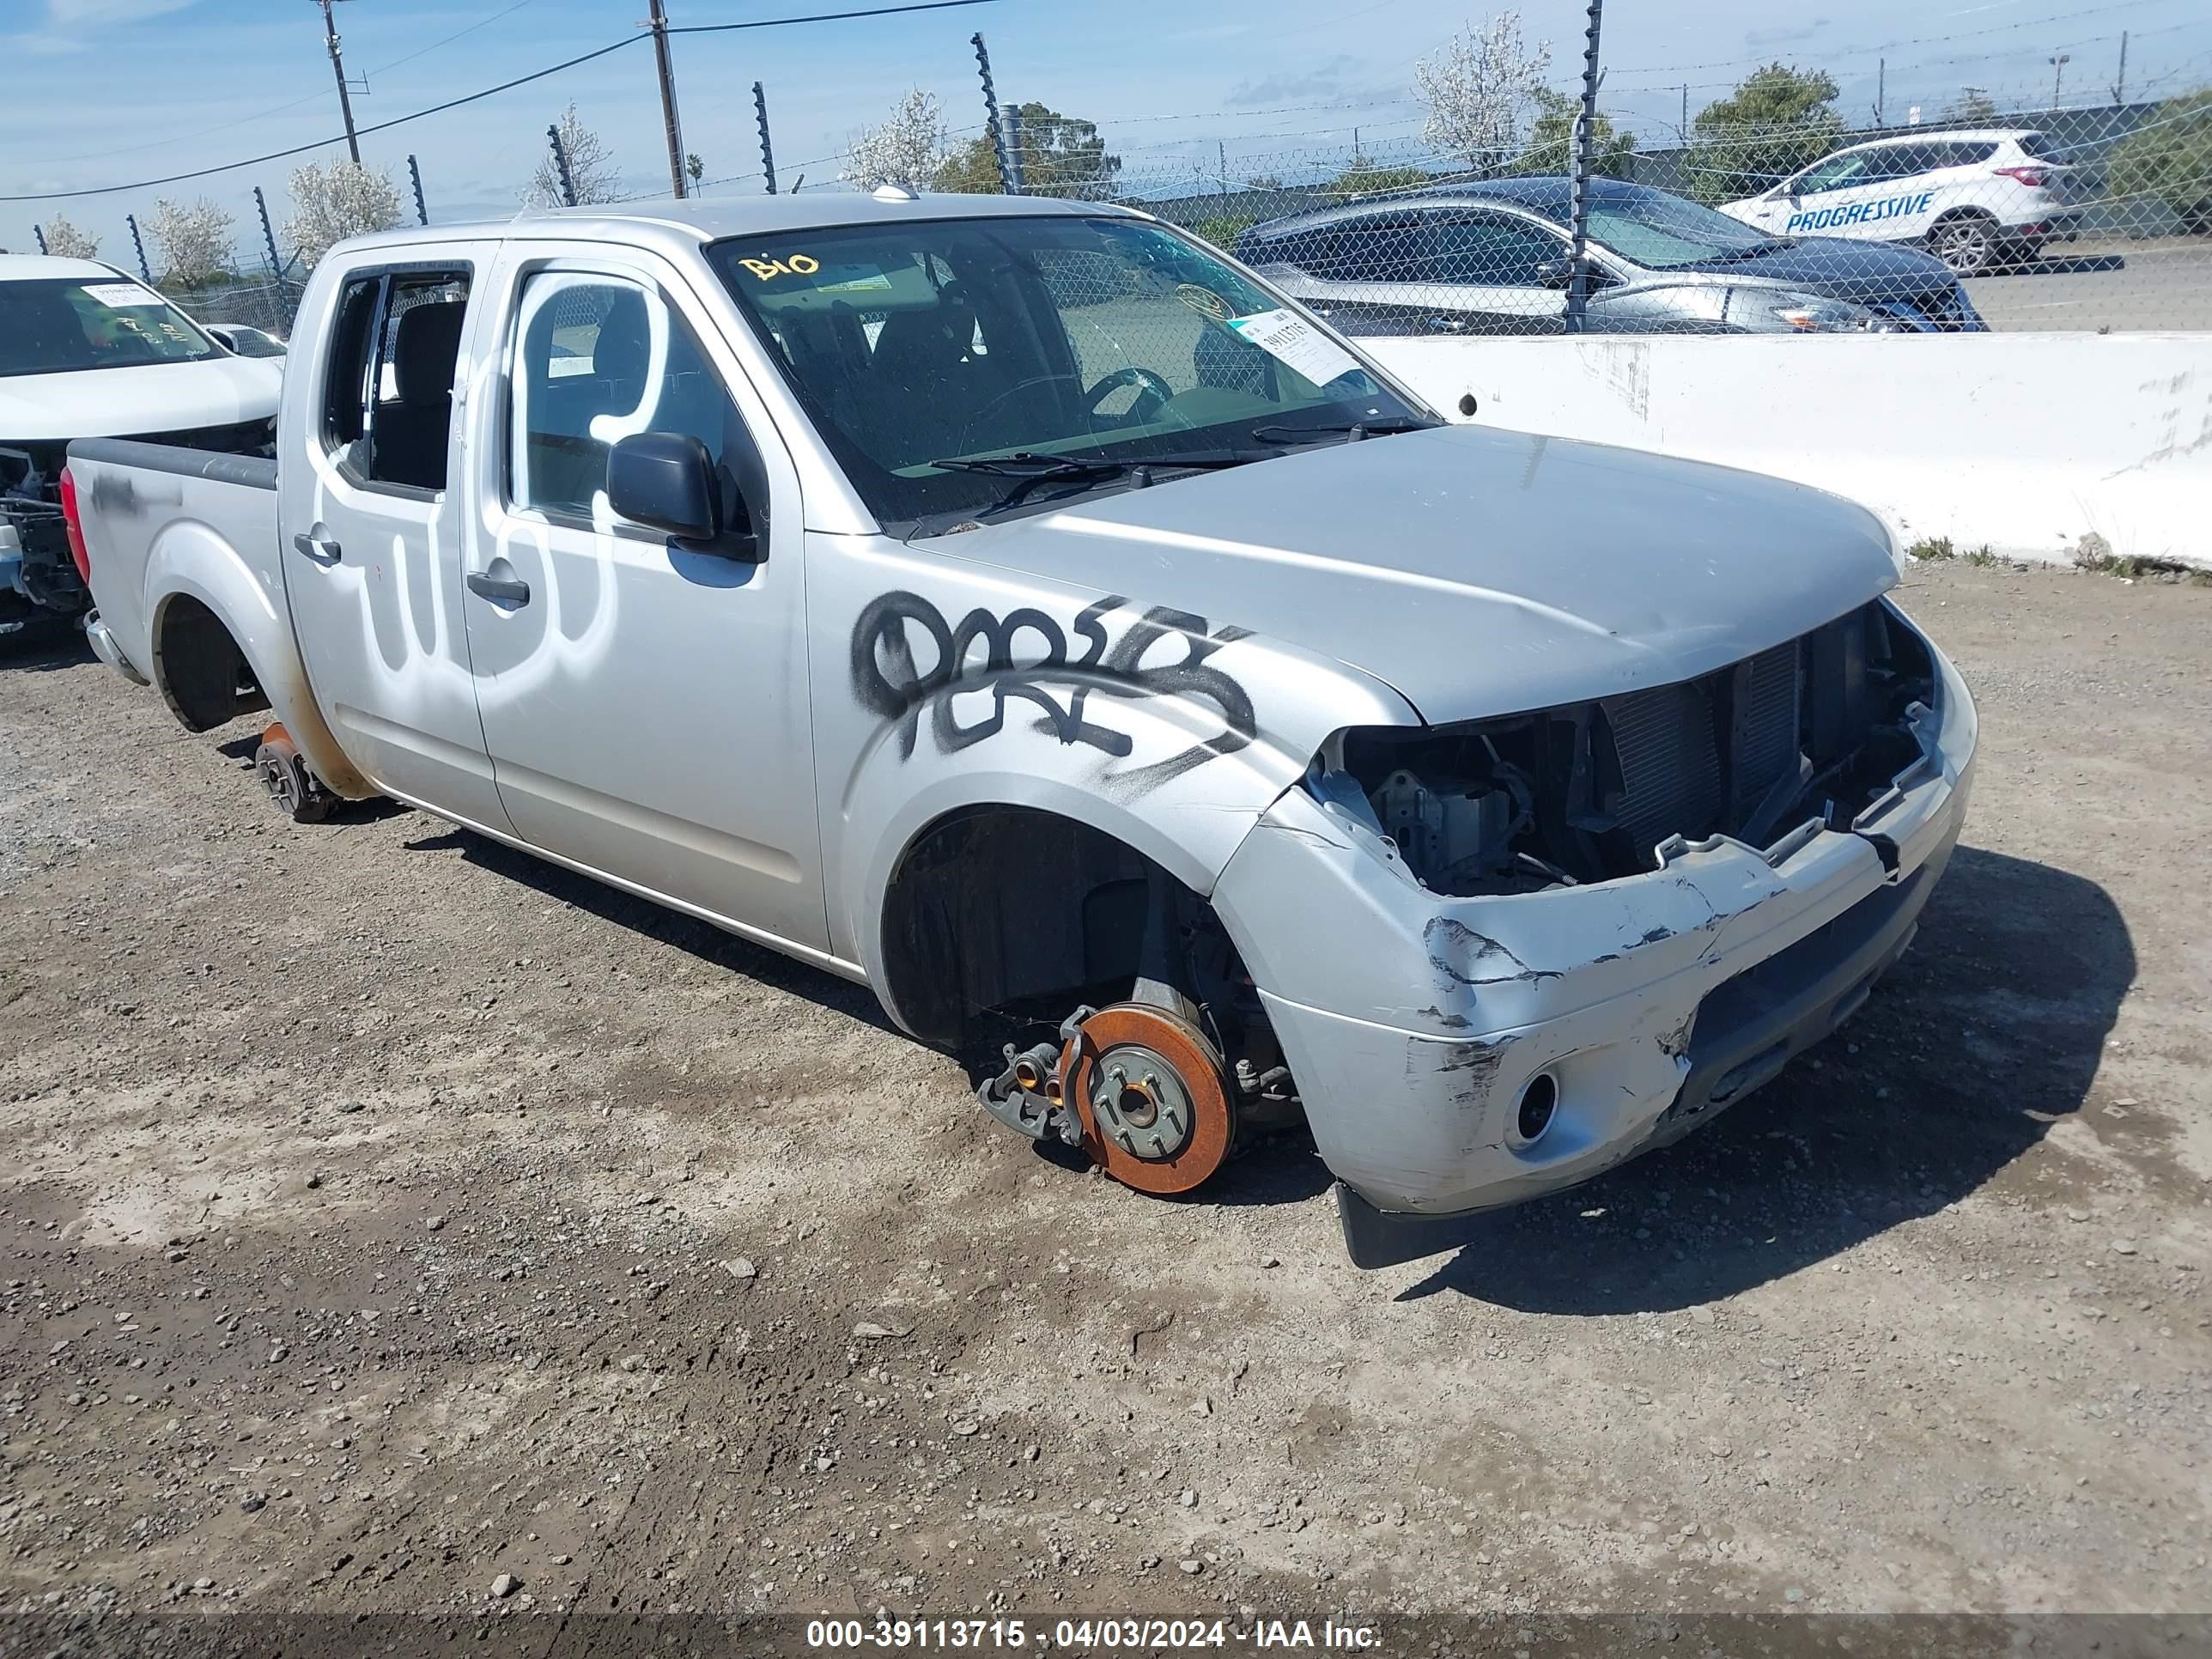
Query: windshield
[
  {"x": 1108, "y": 340},
  {"x": 1661, "y": 232},
  {"x": 53, "y": 324}
]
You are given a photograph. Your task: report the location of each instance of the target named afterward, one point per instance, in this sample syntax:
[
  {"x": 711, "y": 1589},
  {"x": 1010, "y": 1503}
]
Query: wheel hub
[{"x": 1140, "y": 1103}]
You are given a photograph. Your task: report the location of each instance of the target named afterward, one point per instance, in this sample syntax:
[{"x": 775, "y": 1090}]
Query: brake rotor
[{"x": 1155, "y": 1107}]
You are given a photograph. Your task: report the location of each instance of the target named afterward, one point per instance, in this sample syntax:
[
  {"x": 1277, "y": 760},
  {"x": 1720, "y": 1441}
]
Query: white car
[
  {"x": 1975, "y": 200},
  {"x": 88, "y": 352}
]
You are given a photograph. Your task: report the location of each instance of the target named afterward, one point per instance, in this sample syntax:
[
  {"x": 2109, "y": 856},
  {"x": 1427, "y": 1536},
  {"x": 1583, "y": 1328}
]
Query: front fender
[
  {"x": 944, "y": 685},
  {"x": 189, "y": 559}
]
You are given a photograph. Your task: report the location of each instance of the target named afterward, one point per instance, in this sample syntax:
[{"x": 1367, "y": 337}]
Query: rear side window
[
  {"x": 2036, "y": 145},
  {"x": 1486, "y": 250},
  {"x": 1965, "y": 153},
  {"x": 388, "y": 390}
]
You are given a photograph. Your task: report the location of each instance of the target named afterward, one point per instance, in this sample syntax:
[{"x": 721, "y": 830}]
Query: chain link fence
[{"x": 2093, "y": 219}]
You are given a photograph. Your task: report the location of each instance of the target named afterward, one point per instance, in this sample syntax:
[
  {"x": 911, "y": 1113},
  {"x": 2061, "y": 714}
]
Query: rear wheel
[
  {"x": 286, "y": 777},
  {"x": 1967, "y": 243}
]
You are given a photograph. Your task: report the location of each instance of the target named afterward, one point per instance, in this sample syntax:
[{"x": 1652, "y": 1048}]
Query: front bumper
[{"x": 1650, "y": 1003}]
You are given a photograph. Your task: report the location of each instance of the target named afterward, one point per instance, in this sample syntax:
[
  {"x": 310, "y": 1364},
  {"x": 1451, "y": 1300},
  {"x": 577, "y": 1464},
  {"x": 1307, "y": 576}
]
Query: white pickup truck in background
[
  {"x": 86, "y": 352},
  {"x": 1019, "y": 608}
]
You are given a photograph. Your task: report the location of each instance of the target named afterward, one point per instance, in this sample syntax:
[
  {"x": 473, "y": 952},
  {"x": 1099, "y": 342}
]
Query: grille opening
[{"x": 1586, "y": 791}]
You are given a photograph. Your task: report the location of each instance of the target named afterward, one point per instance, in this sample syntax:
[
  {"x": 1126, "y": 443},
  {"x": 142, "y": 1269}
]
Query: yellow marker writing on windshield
[{"x": 794, "y": 264}]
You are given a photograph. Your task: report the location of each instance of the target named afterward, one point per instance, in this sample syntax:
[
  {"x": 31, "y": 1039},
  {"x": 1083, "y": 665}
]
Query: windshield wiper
[
  {"x": 1033, "y": 469},
  {"x": 1351, "y": 431}
]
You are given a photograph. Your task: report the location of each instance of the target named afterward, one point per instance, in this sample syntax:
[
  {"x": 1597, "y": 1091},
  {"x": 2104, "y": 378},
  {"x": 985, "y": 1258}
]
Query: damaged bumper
[{"x": 1459, "y": 1055}]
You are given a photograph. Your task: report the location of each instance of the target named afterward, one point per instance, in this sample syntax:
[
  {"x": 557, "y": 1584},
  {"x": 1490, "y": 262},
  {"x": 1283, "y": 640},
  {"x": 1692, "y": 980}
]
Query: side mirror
[
  {"x": 666, "y": 481},
  {"x": 1556, "y": 273}
]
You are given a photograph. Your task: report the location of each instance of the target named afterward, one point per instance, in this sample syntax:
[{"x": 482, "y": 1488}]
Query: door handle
[
  {"x": 316, "y": 548},
  {"x": 498, "y": 592}
]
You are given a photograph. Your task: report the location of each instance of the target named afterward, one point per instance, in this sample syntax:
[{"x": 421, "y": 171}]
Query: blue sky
[{"x": 108, "y": 91}]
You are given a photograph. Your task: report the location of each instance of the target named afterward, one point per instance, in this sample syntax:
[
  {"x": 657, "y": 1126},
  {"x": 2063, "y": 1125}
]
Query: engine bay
[{"x": 1814, "y": 728}]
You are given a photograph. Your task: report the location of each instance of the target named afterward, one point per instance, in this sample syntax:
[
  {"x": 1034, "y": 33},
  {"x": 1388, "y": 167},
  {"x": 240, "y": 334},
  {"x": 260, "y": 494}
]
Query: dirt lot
[{"x": 385, "y": 1213}]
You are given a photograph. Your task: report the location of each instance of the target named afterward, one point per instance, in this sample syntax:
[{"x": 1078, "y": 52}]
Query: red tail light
[
  {"x": 2034, "y": 178},
  {"x": 82, "y": 559}
]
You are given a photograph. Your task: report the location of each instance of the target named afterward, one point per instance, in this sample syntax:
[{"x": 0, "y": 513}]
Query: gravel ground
[{"x": 394, "y": 1224}]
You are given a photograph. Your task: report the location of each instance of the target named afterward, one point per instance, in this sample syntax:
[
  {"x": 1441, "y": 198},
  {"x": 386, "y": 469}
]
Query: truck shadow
[
  {"x": 1990, "y": 1031},
  {"x": 654, "y": 921}
]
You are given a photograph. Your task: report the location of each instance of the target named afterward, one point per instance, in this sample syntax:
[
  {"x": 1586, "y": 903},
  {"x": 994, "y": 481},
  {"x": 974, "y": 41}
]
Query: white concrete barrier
[{"x": 2025, "y": 443}]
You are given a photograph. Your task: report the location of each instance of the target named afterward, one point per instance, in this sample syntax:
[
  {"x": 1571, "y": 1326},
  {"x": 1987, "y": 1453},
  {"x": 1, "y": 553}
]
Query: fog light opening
[{"x": 1539, "y": 1104}]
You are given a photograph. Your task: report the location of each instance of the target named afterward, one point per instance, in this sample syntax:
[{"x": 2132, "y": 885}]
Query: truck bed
[{"x": 188, "y": 586}]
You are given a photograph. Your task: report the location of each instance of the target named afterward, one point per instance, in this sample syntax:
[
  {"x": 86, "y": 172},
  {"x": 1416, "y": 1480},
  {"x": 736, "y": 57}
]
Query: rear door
[
  {"x": 372, "y": 531},
  {"x": 645, "y": 705}
]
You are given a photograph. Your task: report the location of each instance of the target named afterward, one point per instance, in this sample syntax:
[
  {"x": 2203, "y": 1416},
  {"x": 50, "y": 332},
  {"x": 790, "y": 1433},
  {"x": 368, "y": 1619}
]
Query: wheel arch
[
  {"x": 199, "y": 584},
  {"x": 994, "y": 902}
]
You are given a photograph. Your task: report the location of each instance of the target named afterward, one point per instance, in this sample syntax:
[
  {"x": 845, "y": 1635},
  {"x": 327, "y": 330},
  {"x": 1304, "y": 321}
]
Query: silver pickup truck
[{"x": 1021, "y": 609}]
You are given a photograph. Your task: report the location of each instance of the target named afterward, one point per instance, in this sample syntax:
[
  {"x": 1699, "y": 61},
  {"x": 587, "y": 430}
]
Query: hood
[
  {"x": 1868, "y": 272},
  {"x": 141, "y": 400},
  {"x": 1477, "y": 572}
]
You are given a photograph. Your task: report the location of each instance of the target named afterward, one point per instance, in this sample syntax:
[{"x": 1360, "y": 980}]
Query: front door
[
  {"x": 372, "y": 561},
  {"x": 644, "y": 704}
]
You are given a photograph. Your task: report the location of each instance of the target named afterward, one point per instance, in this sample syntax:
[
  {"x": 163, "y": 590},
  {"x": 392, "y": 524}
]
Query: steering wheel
[{"x": 1149, "y": 401}]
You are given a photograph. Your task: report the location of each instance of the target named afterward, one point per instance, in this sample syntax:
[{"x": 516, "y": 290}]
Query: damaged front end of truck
[{"x": 1562, "y": 936}]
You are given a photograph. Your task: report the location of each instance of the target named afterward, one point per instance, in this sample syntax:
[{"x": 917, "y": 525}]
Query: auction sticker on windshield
[
  {"x": 123, "y": 293},
  {"x": 1288, "y": 338}
]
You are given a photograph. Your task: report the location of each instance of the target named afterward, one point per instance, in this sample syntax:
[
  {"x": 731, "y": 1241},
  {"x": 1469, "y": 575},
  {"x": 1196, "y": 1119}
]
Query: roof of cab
[
  {"x": 27, "y": 267},
  {"x": 711, "y": 219}
]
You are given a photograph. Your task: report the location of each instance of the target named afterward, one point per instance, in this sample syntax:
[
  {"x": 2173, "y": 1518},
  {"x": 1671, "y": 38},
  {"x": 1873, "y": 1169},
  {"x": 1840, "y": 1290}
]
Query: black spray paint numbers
[{"x": 980, "y": 655}]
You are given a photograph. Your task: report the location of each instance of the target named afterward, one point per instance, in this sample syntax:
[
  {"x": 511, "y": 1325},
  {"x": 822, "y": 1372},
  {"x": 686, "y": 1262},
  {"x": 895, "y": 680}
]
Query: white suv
[{"x": 1976, "y": 199}]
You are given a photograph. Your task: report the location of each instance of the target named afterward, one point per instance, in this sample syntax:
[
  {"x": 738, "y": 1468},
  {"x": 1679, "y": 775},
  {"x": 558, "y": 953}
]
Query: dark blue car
[{"x": 1492, "y": 258}]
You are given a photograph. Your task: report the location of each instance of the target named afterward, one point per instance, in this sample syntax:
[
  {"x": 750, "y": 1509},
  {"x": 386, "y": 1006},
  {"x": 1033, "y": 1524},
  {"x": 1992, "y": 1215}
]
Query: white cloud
[{"x": 105, "y": 14}]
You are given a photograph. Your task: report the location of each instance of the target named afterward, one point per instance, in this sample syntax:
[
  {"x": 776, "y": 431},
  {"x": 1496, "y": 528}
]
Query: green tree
[
  {"x": 1551, "y": 144},
  {"x": 1060, "y": 155},
  {"x": 1364, "y": 178},
  {"x": 1777, "y": 120},
  {"x": 2168, "y": 158},
  {"x": 1972, "y": 108}
]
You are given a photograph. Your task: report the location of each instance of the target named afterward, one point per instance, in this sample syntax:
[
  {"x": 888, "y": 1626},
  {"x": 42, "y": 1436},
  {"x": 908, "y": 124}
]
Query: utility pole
[
  {"x": 2120, "y": 86},
  {"x": 768, "y": 155},
  {"x": 2058, "y": 75},
  {"x": 1880, "y": 86},
  {"x": 659, "y": 25},
  {"x": 1585, "y": 145},
  {"x": 338, "y": 68}
]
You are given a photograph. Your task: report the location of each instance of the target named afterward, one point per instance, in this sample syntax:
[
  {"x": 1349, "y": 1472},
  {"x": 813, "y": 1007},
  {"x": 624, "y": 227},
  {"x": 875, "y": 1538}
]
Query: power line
[
  {"x": 1890, "y": 45},
  {"x": 301, "y": 150},
  {"x": 278, "y": 109},
  {"x": 474, "y": 97},
  {"x": 827, "y": 16}
]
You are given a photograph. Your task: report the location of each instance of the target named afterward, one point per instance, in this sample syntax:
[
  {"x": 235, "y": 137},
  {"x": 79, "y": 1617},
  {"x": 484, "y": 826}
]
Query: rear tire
[{"x": 1968, "y": 242}]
